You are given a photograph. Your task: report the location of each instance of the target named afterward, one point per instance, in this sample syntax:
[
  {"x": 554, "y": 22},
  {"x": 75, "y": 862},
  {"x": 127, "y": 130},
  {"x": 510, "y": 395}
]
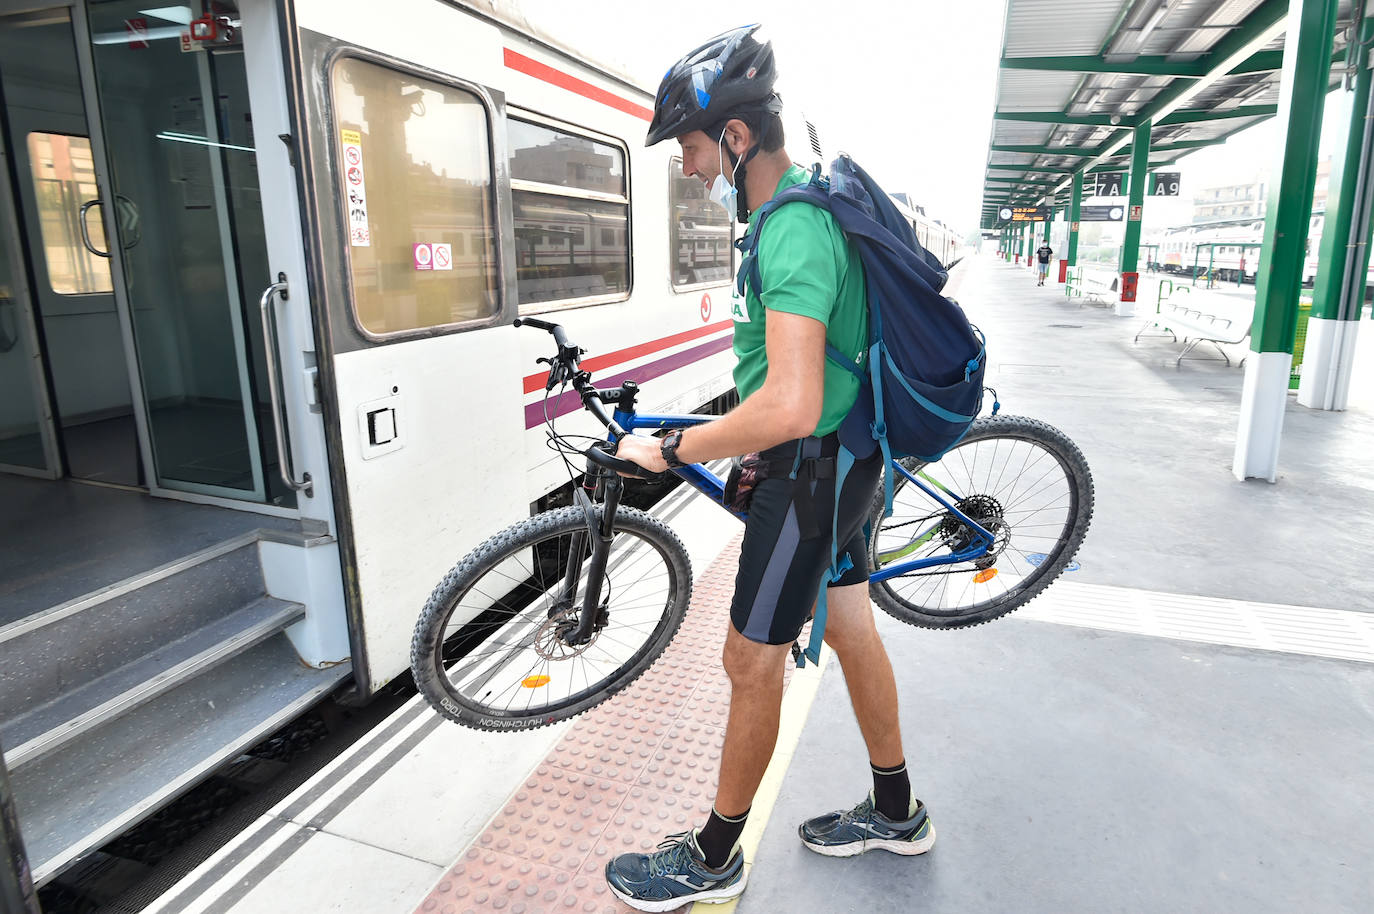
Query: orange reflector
[
  {"x": 534, "y": 682},
  {"x": 987, "y": 574}
]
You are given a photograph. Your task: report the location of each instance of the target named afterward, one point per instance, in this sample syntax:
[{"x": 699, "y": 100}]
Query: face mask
[{"x": 722, "y": 190}]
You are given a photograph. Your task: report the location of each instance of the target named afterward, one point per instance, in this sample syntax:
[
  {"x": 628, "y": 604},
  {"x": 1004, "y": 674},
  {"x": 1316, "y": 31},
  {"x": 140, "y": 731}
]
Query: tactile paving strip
[{"x": 627, "y": 774}]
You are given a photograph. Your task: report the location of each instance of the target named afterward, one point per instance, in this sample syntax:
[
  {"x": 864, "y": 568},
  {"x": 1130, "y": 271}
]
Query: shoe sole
[
  {"x": 712, "y": 896},
  {"x": 854, "y": 849}
]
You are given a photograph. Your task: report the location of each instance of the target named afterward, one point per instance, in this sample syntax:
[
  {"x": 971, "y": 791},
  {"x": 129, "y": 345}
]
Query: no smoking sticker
[
  {"x": 443, "y": 256},
  {"x": 355, "y": 189}
]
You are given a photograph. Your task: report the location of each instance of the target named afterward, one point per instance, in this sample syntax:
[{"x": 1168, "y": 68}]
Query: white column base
[
  {"x": 1124, "y": 308},
  {"x": 1262, "y": 402},
  {"x": 1328, "y": 356}
]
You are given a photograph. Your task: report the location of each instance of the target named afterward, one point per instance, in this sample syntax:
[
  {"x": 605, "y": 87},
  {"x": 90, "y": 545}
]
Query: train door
[{"x": 137, "y": 189}]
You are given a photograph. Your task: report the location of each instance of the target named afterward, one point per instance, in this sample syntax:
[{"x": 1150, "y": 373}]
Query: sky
[{"x": 907, "y": 88}]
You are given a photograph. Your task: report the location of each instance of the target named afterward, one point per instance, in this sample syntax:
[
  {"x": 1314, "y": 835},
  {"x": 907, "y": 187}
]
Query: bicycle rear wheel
[
  {"x": 1021, "y": 479},
  {"x": 491, "y": 649}
]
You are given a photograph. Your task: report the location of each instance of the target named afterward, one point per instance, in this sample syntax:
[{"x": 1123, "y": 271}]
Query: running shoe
[
  {"x": 674, "y": 875},
  {"x": 850, "y": 833}
]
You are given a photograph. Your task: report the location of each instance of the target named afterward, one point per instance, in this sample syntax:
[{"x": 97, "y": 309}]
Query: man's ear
[{"x": 738, "y": 136}]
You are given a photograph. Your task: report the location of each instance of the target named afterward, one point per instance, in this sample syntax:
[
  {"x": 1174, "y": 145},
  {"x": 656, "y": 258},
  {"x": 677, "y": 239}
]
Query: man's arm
[{"x": 787, "y": 406}]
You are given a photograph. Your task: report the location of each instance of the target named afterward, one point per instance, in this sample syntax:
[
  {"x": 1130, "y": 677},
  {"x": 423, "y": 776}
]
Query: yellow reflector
[
  {"x": 534, "y": 682},
  {"x": 987, "y": 574}
]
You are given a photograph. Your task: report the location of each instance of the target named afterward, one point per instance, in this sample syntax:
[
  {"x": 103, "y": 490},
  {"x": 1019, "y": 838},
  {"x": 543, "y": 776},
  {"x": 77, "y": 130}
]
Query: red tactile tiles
[{"x": 627, "y": 774}]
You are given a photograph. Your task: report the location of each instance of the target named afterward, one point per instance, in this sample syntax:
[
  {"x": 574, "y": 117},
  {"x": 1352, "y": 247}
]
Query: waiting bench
[
  {"x": 1200, "y": 324},
  {"x": 1090, "y": 287}
]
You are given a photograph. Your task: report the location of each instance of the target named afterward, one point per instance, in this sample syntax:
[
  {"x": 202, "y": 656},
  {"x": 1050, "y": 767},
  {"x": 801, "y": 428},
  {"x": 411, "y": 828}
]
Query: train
[
  {"x": 259, "y": 264},
  {"x": 1230, "y": 249}
]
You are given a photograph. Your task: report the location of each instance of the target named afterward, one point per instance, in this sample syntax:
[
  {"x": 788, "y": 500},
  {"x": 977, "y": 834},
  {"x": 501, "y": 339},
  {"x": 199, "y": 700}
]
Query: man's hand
[{"x": 643, "y": 451}]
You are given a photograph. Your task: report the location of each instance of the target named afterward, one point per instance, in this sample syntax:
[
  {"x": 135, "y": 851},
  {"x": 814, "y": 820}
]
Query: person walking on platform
[
  {"x": 718, "y": 103},
  {"x": 1042, "y": 261}
]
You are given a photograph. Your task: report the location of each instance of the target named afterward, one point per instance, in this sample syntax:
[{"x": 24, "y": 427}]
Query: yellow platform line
[{"x": 796, "y": 705}]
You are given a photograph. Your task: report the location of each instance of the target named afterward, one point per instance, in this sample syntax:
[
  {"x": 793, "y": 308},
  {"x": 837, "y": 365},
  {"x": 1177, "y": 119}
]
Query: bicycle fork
[{"x": 601, "y": 535}]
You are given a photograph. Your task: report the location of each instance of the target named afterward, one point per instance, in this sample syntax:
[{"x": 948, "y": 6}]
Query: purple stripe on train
[{"x": 567, "y": 402}]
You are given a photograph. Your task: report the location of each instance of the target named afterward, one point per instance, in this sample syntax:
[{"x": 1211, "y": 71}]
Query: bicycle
[{"x": 521, "y": 632}]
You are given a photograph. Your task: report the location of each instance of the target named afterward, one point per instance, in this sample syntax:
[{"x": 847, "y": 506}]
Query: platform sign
[
  {"x": 1164, "y": 184},
  {"x": 1109, "y": 184},
  {"x": 1101, "y": 213},
  {"x": 1023, "y": 214}
]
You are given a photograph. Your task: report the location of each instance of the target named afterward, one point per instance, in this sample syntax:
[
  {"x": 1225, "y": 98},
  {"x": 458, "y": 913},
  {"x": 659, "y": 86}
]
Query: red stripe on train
[
  {"x": 532, "y": 67},
  {"x": 536, "y": 381}
]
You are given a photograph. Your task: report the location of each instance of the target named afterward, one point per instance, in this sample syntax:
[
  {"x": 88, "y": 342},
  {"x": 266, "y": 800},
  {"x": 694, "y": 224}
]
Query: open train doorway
[{"x": 154, "y": 588}]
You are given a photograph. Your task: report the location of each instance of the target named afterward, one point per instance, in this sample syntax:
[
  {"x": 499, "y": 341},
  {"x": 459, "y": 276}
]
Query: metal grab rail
[
  {"x": 85, "y": 231},
  {"x": 269, "y": 339}
]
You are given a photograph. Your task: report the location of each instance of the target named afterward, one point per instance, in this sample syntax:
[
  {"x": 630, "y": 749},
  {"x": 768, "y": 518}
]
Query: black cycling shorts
[{"x": 786, "y": 553}]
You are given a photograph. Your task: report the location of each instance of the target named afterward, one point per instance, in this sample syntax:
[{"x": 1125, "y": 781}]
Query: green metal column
[
  {"x": 1334, "y": 253},
  {"x": 1075, "y": 202},
  {"x": 1302, "y": 94},
  {"x": 1328, "y": 352},
  {"x": 1030, "y": 240},
  {"x": 1135, "y": 210}
]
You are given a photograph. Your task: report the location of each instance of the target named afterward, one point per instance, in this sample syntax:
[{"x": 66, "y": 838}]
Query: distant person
[{"x": 1042, "y": 258}]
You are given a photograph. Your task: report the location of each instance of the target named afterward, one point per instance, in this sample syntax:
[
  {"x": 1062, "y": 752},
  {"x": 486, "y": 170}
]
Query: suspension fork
[{"x": 609, "y": 488}]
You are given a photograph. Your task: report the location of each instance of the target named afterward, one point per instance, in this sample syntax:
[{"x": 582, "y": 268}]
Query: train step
[
  {"x": 75, "y": 799},
  {"x": 114, "y": 702}
]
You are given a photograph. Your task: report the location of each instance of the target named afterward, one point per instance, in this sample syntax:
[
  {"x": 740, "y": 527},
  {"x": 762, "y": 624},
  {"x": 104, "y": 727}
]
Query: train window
[
  {"x": 698, "y": 233},
  {"x": 572, "y": 212},
  {"x": 423, "y": 149},
  {"x": 63, "y": 173}
]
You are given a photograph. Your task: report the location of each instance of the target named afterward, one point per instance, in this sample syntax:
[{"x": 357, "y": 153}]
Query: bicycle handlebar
[{"x": 568, "y": 360}]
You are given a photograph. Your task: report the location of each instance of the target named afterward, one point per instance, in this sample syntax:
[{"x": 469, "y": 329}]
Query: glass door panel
[
  {"x": 25, "y": 437},
  {"x": 179, "y": 185}
]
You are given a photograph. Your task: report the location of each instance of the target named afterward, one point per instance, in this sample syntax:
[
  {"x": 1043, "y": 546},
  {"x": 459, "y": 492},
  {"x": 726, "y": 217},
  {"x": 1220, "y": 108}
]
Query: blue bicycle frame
[{"x": 712, "y": 486}]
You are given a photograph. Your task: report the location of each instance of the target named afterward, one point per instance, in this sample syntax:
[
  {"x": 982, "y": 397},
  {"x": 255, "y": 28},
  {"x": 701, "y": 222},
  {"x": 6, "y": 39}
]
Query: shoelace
[
  {"x": 673, "y": 853},
  {"x": 864, "y": 812}
]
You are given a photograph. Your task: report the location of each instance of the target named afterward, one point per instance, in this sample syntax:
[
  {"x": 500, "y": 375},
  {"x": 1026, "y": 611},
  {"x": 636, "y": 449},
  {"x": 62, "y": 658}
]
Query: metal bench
[
  {"x": 1198, "y": 326},
  {"x": 1090, "y": 288}
]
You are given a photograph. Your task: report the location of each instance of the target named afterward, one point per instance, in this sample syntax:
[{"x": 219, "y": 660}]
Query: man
[
  {"x": 718, "y": 103},
  {"x": 1042, "y": 258}
]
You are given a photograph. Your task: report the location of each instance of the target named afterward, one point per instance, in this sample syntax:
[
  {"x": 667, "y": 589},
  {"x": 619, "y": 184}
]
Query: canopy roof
[{"x": 1076, "y": 76}]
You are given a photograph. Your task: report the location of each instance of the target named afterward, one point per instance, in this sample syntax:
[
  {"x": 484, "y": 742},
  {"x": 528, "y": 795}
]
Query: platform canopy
[{"x": 1077, "y": 76}]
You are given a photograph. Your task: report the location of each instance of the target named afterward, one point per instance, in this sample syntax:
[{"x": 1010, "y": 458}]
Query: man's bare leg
[
  {"x": 755, "y": 672},
  {"x": 850, "y": 632}
]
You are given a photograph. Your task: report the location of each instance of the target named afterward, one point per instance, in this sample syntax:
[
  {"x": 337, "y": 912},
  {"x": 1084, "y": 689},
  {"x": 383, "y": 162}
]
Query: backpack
[{"x": 921, "y": 377}]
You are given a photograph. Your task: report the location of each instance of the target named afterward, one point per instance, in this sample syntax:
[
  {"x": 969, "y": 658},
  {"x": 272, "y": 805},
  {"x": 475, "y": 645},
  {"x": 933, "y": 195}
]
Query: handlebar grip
[
  {"x": 559, "y": 336},
  {"x": 625, "y": 467}
]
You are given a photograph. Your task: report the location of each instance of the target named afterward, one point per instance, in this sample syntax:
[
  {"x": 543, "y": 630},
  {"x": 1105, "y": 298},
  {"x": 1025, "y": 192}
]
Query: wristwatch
[{"x": 668, "y": 448}]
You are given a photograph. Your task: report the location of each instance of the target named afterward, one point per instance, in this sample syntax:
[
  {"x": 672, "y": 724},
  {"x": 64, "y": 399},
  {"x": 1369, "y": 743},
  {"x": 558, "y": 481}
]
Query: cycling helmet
[{"x": 729, "y": 76}]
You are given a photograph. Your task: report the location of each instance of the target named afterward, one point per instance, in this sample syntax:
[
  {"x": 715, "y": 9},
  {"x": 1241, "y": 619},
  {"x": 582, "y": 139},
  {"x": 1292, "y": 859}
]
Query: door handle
[
  {"x": 276, "y": 290},
  {"x": 85, "y": 231}
]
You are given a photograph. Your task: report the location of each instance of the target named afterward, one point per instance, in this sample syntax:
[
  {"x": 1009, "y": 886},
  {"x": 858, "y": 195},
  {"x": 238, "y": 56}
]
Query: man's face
[{"x": 701, "y": 156}]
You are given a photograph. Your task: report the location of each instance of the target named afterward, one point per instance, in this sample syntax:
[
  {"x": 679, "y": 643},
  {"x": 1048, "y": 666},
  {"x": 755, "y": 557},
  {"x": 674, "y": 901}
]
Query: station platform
[{"x": 1182, "y": 723}]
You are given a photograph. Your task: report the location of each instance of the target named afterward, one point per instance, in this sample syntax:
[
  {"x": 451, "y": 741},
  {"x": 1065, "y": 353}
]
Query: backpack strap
[{"x": 844, "y": 462}]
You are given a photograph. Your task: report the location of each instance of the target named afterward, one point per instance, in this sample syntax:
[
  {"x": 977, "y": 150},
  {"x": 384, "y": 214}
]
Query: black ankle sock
[
  {"x": 892, "y": 791},
  {"x": 718, "y": 836}
]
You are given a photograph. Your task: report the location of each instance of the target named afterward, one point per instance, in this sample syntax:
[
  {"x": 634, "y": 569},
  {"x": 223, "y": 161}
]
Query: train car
[
  {"x": 1231, "y": 248},
  {"x": 258, "y": 267}
]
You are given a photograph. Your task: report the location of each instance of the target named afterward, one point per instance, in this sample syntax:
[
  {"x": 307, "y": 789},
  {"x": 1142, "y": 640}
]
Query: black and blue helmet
[{"x": 729, "y": 76}]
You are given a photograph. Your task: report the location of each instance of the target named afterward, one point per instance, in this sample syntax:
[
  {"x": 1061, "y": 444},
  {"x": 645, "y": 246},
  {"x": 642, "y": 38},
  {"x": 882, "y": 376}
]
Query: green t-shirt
[{"x": 807, "y": 267}]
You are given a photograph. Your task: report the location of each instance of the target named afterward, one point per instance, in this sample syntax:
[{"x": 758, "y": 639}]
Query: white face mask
[{"x": 723, "y": 189}]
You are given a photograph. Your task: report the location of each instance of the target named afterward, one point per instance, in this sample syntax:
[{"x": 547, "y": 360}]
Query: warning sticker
[
  {"x": 443, "y": 256},
  {"x": 424, "y": 257},
  {"x": 359, "y": 234}
]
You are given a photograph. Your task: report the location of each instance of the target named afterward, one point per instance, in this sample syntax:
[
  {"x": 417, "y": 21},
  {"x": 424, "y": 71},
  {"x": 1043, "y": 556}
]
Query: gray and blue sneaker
[
  {"x": 674, "y": 875},
  {"x": 863, "y": 828}
]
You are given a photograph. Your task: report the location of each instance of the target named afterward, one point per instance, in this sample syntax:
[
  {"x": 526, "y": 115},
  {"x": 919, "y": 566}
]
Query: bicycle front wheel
[
  {"x": 1023, "y": 481},
  {"x": 494, "y": 648}
]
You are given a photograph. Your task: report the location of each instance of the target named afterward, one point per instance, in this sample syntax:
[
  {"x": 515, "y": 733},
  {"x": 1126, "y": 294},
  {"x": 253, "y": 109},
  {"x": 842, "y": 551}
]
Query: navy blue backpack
[{"x": 921, "y": 378}]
